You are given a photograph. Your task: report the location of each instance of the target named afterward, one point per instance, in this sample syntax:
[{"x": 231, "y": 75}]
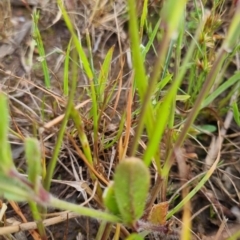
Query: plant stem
[
  {"x": 57, "y": 203},
  {"x": 53, "y": 161}
]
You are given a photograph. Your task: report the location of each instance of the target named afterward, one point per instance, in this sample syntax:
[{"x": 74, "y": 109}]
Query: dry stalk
[{"x": 33, "y": 225}]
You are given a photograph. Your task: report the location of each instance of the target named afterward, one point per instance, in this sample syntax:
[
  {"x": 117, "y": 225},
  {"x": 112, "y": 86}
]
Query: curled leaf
[
  {"x": 158, "y": 213},
  {"x": 109, "y": 199}
]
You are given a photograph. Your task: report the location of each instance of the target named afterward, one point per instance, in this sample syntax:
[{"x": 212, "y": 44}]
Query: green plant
[
  {"x": 39, "y": 43},
  {"x": 155, "y": 122}
]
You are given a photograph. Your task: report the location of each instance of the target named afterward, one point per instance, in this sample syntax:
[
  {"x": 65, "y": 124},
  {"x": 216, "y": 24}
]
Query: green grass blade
[
  {"x": 53, "y": 161},
  {"x": 231, "y": 81},
  {"x": 151, "y": 39},
  {"x": 140, "y": 76},
  {"x": 86, "y": 65},
  {"x": 196, "y": 188},
  {"x": 103, "y": 75},
  {"x": 66, "y": 69},
  {"x": 236, "y": 113},
  {"x": 81, "y": 134},
  {"x": 38, "y": 39},
  {"x": 5, "y": 152},
  {"x": 143, "y": 17},
  {"x": 76, "y": 41}
]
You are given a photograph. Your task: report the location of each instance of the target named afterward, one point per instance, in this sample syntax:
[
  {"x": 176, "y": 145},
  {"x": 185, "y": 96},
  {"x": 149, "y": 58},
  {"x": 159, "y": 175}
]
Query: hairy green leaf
[
  {"x": 131, "y": 183},
  {"x": 109, "y": 199}
]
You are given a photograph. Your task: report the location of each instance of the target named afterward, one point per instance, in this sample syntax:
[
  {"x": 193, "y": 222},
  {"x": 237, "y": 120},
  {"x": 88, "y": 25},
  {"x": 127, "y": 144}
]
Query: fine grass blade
[
  {"x": 151, "y": 39},
  {"x": 38, "y": 39},
  {"x": 86, "y": 65},
  {"x": 76, "y": 41},
  {"x": 171, "y": 16},
  {"x": 140, "y": 78},
  {"x": 143, "y": 17},
  {"x": 195, "y": 189},
  {"x": 231, "y": 81},
  {"x": 5, "y": 152},
  {"x": 66, "y": 69},
  {"x": 103, "y": 75},
  {"x": 236, "y": 113}
]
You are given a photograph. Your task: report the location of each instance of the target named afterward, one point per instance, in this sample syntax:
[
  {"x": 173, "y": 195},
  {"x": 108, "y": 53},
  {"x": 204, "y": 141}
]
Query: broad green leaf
[
  {"x": 109, "y": 199},
  {"x": 5, "y": 151},
  {"x": 131, "y": 184}
]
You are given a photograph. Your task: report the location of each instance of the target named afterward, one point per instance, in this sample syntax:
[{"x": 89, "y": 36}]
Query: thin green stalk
[
  {"x": 140, "y": 74},
  {"x": 229, "y": 42},
  {"x": 171, "y": 15},
  {"x": 81, "y": 134},
  {"x": 195, "y": 189},
  {"x": 168, "y": 58},
  {"x": 57, "y": 203},
  {"x": 33, "y": 158},
  {"x": 107, "y": 231},
  {"x": 197, "y": 106},
  {"x": 152, "y": 37},
  {"x": 152, "y": 84},
  {"x": 86, "y": 65},
  {"x": 38, "y": 39},
  {"x": 66, "y": 69},
  {"x": 210, "y": 78},
  {"x": 101, "y": 230},
  {"x": 53, "y": 161},
  {"x": 227, "y": 84},
  {"x": 85, "y": 144},
  {"x": 89, "y": 46},
  {"x": 179, "y": 77},
  {"x": 119, "y": 133},
  {"x": 38, "y": 219},
  {"x": 143, "y": 17}
]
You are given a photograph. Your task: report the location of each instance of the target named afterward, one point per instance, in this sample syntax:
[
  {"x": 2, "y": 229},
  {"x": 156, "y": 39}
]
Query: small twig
[
  {"x": 60, "y": 118},
  {"x": 33, "y": 225}
]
